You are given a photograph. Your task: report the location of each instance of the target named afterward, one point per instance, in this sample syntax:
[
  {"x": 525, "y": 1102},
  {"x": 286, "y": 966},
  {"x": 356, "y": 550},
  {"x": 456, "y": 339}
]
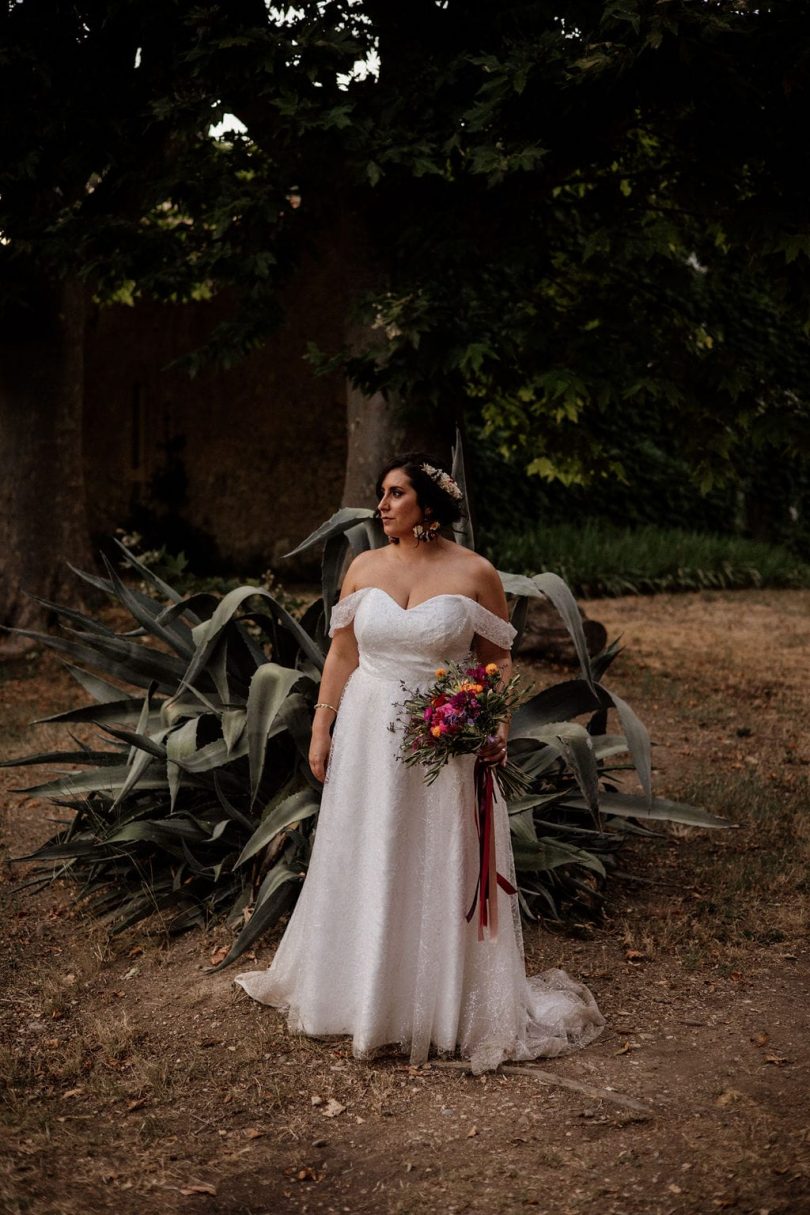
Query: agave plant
[{"x": 200, "y": 802}]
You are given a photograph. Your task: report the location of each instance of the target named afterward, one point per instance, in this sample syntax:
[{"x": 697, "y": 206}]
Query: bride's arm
[
  {"x": 340, "y": 662},
  {"x": 491, "y": 596}
]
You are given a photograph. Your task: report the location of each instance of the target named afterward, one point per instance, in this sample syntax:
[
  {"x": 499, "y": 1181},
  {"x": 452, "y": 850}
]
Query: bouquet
[{"x": 457, "y": 715}]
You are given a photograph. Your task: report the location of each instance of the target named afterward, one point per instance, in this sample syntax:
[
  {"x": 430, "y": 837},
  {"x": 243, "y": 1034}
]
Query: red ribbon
[{"x": 486, "y": 893}]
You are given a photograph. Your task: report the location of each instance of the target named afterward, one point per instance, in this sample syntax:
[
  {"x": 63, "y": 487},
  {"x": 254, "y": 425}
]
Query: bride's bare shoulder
[
  {"x": 362, "y": 571},
  {"x": 474, "y": 564}
]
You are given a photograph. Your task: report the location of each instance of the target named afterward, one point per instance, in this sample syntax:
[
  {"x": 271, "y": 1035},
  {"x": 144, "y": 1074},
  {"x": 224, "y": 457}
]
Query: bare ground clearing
[{"x": 134, "y": 1082}]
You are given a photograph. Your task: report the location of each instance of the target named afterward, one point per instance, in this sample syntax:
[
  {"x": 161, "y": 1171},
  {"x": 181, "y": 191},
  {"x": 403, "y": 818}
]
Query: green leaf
[
  {"x": 606, "y": 745},
  {"x": 335, "y": 553},
  {"x": 560, "y": 702},
  {"x": 549, "y": 853},
  {"x": 293, "y": 809},
  {"x": 519, "y": 584},
  {"x": 99, "y": 689},
  {"x": 101, "y": 758},
  {"x": 109, "y": 780},
  {"x": 269, "y": 688},
  {"x": 113, "y": 710},
  {"x": 553, "y": 587},
  {"x": 233, "y": 726},
  {"x": 463, "y": 530},
  {"x": 181, "y": 743},
  {"x": 115, "y": 656},
  {"x": 638, "y": 741},
  {"x": 273, "y": 899},
  {"x": 207, "y": 633},
  {"x": 638, "y": 807},
  {"x": 148, "y": 576},
  {"x": 156, "y": 832},
  {"x": 148, "y": 615},
  {"x": 341, "y": 521}
]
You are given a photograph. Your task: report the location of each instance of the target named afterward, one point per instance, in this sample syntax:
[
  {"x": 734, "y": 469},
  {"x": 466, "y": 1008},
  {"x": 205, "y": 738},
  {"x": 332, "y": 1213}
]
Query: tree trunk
[
  {"x": 42, "y": 498},
  {"x": 373, "y": 436},
  {"x": 377, "y": 427}
]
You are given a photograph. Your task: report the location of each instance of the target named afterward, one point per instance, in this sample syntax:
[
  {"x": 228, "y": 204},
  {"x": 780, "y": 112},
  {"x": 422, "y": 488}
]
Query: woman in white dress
[{"x": 378, "y": 946}]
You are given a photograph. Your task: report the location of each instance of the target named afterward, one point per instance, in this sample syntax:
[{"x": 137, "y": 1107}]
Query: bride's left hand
[{"x": 494, "y": 752}]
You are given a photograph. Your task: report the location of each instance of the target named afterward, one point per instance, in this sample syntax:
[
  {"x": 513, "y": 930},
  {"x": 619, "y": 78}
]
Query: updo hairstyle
[{"x": 430, "y": 496}]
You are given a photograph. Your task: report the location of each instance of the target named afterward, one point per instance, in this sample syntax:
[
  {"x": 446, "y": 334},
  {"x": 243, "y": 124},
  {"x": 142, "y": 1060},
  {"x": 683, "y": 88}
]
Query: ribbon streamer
[{"x": 486, "y": 893}]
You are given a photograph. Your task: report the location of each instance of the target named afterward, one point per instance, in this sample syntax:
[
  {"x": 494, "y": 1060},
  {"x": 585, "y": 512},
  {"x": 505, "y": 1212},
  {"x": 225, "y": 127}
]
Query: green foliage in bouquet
[
  {"x": 199, "y": 802},
  {"x": 456, "y": 715}
]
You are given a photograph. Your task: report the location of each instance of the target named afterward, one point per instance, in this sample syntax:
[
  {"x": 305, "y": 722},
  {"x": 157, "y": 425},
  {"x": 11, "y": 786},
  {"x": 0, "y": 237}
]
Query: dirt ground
[{"x": 136, "y": 1082}]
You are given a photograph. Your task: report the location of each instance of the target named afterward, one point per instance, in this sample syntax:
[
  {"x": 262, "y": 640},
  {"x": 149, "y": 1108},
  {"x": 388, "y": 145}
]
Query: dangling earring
[{"x": 428, "y": 533}]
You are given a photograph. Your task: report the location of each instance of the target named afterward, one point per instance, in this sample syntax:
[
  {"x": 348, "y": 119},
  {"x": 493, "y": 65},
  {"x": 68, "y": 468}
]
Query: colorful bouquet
[{"x": 458, "y": 715}]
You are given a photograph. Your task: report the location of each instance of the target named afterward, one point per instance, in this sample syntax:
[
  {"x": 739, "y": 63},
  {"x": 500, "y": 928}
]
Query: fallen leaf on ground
[
  {"x": 219, "y": 955},
  {"x": 472, "y": 1132},
  {"x": 333, "y": 1108},
  {"x": 204, "y": 1187},
  {"x": 316, "y": 1100},
  {"x": 777, "y": 1060},
  {"x": 253, "y": 1132},
  {"x": 295, "y": 1173},
  {"x": 760, "y": 1039},
  {"x": 635, "y": 955},
  {"x": 728, "y": 1095},
  {"x": 136, "y": 1104},
  {"x": 73, "y": 1092}
]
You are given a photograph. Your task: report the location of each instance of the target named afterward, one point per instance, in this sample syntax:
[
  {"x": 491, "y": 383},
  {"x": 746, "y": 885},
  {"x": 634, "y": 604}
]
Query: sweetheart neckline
[{"x": 414, "y": 606}]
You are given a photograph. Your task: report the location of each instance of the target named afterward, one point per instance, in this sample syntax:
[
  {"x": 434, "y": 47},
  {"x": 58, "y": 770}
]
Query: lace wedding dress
[{"x": 378, "y": 946}]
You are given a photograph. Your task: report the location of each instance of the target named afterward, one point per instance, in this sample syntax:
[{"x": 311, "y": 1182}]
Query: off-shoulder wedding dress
[{"x": 378, "y": 946}]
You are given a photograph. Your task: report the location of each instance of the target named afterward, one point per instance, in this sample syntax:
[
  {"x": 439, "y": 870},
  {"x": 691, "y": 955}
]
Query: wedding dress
[{"x": 378, "y": 946}]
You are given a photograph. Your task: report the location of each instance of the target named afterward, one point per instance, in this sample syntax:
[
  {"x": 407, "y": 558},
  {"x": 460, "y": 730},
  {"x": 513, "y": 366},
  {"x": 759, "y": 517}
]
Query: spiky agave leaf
[{"x": 204, "y": 805}]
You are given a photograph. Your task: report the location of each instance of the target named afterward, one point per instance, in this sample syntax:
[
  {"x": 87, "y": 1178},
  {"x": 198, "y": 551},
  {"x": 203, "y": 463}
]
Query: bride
[{"x": 378, "y": 946}]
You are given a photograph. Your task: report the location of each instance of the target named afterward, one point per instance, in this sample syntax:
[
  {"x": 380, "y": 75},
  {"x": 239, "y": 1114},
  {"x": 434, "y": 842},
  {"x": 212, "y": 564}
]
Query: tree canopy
[{"x": 569, "y": 224}]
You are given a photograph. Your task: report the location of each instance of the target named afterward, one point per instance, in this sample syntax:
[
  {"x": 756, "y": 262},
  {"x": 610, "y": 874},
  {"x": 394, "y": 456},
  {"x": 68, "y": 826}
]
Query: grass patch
[
  {"x": 740, "y": 886},
  {"x": 596, "y": 559}
]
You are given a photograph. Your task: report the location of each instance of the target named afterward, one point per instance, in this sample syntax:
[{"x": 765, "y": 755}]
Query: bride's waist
[{"x": 410, "y": 673}]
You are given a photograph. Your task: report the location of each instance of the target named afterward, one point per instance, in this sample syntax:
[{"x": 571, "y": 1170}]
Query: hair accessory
[
  {"x": 323, "y": 705},
  {"x": 443, "y": 480},
  {"x": 426, "y": 533}
]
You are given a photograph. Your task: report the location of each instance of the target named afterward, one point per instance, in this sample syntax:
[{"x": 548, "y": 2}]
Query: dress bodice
[{"x": 409, "y": 643}]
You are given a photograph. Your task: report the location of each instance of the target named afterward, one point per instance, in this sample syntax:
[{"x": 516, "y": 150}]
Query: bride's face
[{"x": 399, "y": 506}]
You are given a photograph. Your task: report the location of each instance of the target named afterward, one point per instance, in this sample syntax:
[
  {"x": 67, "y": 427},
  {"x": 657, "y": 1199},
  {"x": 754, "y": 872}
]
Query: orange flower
[
  {"x": 477, "y": 687},
  {"x": 492, "y": 668},
  {"x": 440, "y": 671},
  {"x": 436, "y": 731}
]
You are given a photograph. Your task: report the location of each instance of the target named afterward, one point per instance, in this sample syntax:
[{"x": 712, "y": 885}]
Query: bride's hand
[
  {"x": 319, "y": 755},
  {"x": 494, "y": 751}
]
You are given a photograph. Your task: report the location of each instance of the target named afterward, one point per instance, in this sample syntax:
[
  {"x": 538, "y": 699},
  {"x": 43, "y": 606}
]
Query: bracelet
[{"x": 323, "y": 705}]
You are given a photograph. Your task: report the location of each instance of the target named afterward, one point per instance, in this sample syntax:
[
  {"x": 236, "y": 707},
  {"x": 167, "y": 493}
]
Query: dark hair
[{"x": 430, "y": 496}]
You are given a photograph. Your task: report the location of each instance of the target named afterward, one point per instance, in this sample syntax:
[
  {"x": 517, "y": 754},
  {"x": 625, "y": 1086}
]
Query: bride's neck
[{"x": 415, "y": 552}]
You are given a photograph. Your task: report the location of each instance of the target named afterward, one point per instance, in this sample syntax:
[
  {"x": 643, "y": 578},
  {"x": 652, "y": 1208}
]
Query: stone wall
[{"x": 234, "y": 466}]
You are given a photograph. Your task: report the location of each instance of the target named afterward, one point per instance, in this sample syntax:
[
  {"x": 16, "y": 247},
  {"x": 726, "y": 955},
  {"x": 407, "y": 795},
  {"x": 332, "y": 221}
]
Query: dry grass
[{"x": 141, "y": 1084}]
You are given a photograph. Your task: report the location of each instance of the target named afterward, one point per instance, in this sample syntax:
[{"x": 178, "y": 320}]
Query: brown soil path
[{"x": 136, "y": 1083}]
